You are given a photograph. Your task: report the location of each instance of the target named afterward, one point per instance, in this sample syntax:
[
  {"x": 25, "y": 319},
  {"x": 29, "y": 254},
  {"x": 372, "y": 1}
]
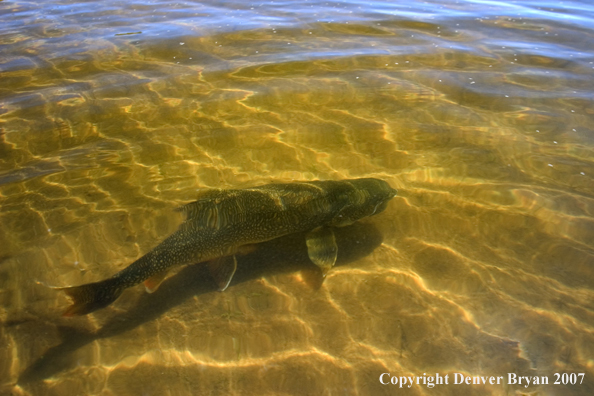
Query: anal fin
[
  {"x": 321, "y": 248},
  {"x": 222, "y": 270},
  {"x": 153, "y": 283}
]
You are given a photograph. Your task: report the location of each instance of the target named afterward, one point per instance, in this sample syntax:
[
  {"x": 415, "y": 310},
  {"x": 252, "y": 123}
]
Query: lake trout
[{"x": 223, "y": 223}]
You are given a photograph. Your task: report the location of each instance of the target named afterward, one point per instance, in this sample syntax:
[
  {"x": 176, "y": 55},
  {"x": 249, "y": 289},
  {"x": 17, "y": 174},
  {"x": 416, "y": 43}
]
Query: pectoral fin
[
  {"x": 321, "y": 248},
  {"x": 222, "y": 270},
  {"x": 152, "y": 283}
]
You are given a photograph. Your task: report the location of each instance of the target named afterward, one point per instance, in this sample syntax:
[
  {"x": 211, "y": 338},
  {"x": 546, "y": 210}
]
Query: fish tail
[{"x": 91, "y": 297}]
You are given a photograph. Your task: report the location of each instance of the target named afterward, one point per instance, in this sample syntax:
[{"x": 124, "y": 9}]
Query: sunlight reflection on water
[{"x": 478, "y": 112}]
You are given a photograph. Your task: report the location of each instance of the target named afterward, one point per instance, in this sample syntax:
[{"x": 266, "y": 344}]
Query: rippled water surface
[{"x": 480, "y": 113}]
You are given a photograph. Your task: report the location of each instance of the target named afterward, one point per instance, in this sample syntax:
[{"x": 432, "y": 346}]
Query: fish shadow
[{"x": 282, "y": 255}]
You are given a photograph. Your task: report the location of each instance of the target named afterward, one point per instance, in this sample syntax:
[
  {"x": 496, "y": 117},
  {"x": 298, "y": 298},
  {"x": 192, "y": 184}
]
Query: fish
[{"x": 224, "y": 223}]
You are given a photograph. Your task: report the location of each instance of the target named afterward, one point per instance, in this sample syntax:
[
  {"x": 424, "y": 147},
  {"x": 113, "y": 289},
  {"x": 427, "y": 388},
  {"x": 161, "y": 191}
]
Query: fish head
[{"x": 368, "y": 197}]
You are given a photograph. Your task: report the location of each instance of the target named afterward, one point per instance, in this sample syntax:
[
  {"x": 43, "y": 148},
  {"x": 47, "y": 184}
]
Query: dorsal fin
[
  {"x": 208, "y": 210},
  {"x": 205, "y": 198}
]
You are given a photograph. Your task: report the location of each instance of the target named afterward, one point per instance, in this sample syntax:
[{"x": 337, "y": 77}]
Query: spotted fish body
[{"x": 223, "y": 222}]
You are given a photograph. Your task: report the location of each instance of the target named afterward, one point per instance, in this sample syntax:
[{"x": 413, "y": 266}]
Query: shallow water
[{"x": 113, "y": 114}]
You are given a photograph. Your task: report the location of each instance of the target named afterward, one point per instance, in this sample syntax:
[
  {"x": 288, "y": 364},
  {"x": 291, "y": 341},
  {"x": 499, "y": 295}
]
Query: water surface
[{"x": 480, "y": 113}]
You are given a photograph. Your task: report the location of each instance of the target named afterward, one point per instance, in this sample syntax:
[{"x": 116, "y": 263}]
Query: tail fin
[{"x": 91, "y": 297}]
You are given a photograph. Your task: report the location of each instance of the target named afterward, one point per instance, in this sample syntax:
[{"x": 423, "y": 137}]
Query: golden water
[{"x": 480, "y": 114}]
